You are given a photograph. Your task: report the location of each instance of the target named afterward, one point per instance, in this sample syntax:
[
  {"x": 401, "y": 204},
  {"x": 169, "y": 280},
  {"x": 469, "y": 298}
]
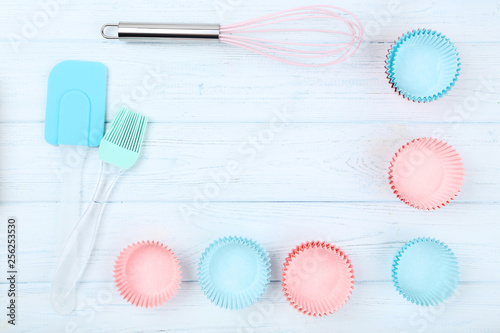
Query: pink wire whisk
[{"x": 310, "y": 36}]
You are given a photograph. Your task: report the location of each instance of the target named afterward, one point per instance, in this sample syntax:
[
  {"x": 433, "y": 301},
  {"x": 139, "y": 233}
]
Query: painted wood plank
[
  {"x": 245, "y": 87},
  {"x": 300, "y": 162},
  {"x": 373, "y": 304},
  {"x": 371, "y": 234},
  {"x": 82, "y": 20}
]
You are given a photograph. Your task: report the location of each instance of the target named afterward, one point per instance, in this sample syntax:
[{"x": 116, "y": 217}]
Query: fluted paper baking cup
[
  {"x": 423, "y": 65},
  {"x": 426, "y": 173},
  {"x": 147, "y": 274},
  {"x": 318, "y": 278},
  {"x": 425, "y": 271},
  {"x": 234, "y": 272}
]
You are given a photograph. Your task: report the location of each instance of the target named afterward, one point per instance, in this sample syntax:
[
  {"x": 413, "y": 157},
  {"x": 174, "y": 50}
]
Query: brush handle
[
  {"x": 77, "y": 250},
  {"x": 161, "y": 31}
]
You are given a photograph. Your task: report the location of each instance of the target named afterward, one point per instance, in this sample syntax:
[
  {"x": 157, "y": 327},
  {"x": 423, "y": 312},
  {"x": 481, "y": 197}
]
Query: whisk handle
[{"x": 160, "y": 31}]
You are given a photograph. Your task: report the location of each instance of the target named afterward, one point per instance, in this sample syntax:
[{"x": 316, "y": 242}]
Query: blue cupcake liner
[
  {"x": 423, "y": 65},
  {"x": 425, "y": 271},
  {"x": 234, "y": 272}
]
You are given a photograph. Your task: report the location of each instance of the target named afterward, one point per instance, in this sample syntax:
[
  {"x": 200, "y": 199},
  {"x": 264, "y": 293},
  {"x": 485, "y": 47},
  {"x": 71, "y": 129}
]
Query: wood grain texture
[{"x": 323, "y": 176}]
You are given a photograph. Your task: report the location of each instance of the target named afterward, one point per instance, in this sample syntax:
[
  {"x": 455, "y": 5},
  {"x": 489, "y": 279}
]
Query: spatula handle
[
  {"x": 73, "y": 159},
  {"x": 77, "y": 250}
]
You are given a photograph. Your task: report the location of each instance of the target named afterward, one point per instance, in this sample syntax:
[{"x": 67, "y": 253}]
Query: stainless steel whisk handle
[{"x": 160, "y": 31}]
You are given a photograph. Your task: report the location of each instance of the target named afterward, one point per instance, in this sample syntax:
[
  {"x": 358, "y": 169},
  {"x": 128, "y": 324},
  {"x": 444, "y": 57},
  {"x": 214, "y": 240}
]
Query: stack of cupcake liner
[
  {"x": 422, "y": 65},
  {"x": 234, "y": 272},
  {"x": 147, "y": 274},
  {"x": 318, "y": 278},
  {"x": 425, "y": 271},
  {"x": 426, "y": 173}
]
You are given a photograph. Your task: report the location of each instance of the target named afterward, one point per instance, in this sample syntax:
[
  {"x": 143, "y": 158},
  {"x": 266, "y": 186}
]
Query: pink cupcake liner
[
  {"x": 318, "y": 278},
  {"x": 147, "y": 274},
  {"x": 426, "y": 173}
]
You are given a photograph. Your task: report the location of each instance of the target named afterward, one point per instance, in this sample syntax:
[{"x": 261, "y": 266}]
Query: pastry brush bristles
[{"x": 127, "y": 130}]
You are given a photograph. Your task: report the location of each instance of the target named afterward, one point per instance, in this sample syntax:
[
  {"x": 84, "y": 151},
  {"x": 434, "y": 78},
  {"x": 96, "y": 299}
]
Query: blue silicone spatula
[
  {"x": 74, "y": 120},
  {"x": 76, "y": 104}
]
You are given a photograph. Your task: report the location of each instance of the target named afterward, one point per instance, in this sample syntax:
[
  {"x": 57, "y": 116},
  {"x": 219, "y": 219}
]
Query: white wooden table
[{"x": 323, "y": 177}]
